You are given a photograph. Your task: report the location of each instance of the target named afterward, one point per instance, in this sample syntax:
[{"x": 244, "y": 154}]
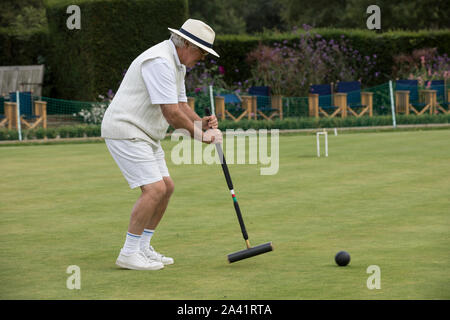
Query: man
[{"x": 152, "y": 96}]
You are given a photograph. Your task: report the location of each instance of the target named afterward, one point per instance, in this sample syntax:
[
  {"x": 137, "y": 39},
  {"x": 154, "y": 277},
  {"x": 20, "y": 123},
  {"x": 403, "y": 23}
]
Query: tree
[
  {"x": 22, "y": 18},
  {"x": 237, "y": 16},
  {"x": 220, "y": 15},
  {"x": 317, "y": 13},
  {"x": 260, "y": 15},
  {"x": 400, "y": 14}
]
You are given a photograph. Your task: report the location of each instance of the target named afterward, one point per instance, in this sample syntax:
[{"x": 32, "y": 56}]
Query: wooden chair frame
[
  {"x": 39, "y": 110},
  {"x": 276, "y": 104},
  {"x": 404, "y": 106},
  {"x": 315, "y": 110},
  {"x": 222, "y": 112},
  {"x": 441, "y": 108},
  {"x": 366, "y": 102}
]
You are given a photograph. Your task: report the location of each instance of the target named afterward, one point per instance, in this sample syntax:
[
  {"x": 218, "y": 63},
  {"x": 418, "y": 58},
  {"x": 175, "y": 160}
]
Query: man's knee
[
  {"x": 170, "y": 186},
  {"x": 155, "y": 190}
]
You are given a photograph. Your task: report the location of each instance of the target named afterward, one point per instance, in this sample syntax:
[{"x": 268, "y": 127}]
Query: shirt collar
[{"x": 177, "y": 59}]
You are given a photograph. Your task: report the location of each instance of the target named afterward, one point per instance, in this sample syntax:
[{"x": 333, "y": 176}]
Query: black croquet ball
[{"x": 342, "y": 258}]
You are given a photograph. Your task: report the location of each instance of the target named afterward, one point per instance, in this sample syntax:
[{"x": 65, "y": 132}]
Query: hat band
[{"x": 190, "y": 35}]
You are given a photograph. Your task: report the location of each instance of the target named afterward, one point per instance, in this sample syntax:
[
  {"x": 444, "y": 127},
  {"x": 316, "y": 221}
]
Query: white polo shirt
[{"x": 160, "y": 80}]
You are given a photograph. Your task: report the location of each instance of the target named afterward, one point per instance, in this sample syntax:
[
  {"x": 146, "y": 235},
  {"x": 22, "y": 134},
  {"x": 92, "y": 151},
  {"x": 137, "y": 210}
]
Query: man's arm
[
  {"x": 191, "y": 114},
  {"x": 207, "y": 122},
  {"x": 180, "y": 120}
]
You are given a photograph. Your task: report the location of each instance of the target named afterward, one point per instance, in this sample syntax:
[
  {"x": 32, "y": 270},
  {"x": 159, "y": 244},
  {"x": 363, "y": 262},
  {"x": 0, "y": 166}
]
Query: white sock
[
  {"x": 131, "y": 244},
  {"x": 146, "y": 238}
]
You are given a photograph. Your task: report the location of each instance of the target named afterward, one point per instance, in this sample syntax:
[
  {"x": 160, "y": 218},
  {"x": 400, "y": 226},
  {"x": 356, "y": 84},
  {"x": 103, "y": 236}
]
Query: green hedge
[
  {"x": 78, "y": 131},
  {"x": 15, "y": 51},
  {"x": 233, "y": 49},
  {"x": 312, "y": 123},
  {"x": 81, "y": 131},
  {"x": 90, "y": 61}
]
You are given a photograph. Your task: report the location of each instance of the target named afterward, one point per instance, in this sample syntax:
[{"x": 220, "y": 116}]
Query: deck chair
[
  {"x": 3, "y": 118},
  {"x": 442, "y": 102},
  {"x": 356, "y": 102},
  {"x": 32, "y": 112},
  {"x": 267, "y": 106},
  {"x": 320, "y": 101},
  {"x": 407, "y": 98},
  {"x": 233, "y": 106}
]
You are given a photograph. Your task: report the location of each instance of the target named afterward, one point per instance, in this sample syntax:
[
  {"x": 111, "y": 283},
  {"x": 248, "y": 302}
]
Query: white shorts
[{"x": 141, "y": 162}]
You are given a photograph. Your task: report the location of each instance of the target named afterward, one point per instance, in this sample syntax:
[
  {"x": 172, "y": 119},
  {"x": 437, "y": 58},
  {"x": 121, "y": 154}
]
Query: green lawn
[{"x": 383, "y": 197}]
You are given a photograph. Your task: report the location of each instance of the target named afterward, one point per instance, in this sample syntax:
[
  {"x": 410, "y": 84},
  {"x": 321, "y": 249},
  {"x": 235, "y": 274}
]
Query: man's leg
[
  {"x": 144, "y": 208},
  {"x": 153, "y": 223},
  {"x": 161, "y": 208},
  {"x": 147, "y": 206},
  {"x": 139, "y": 164}
]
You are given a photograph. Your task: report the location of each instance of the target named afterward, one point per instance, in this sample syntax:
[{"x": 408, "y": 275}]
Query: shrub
[
  {"x": 93, "y": 131},
  {"x": 6, "y": 134},
  {"x": 204, "y": 74},
  {"x": 422, "y": 65},
  {"x": 95, "y": 114},
  {"x": 40, "y": 133},
  {"x": 233, "y": 49},
  {"x": 63, "y": 131},
  {"x": 289, "y": 70}
]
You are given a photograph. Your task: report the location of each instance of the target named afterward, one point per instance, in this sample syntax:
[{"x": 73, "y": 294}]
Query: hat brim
[{"x": 209, "y": 50}]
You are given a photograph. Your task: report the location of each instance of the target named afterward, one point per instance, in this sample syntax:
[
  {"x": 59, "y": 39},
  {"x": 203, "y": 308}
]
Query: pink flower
[
  {"x": 422, "y": 60},
  {"x": 419, "y": 78},
  {"x": 197, "y": 90},
  {"x": 428, "y": 84},
  {"x": 221, "y": 70}
]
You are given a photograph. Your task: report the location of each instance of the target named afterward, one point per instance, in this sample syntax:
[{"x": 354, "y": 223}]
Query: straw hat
[{"x": 199, "y": 33}]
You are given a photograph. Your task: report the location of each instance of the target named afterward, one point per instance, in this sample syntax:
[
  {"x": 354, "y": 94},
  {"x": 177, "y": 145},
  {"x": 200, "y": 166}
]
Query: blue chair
[
  {"x": 26, "y": 102},
  {"x": 27, "y": 112},
  {"x": 320, "y": 100},
  {"x": 407, "y": 98},
  {"x": 355, "y": 99},
  {"x": 265, "y": 106},
  {"x": 231, "y": 98},
  {"x": 3, "y": 119},
  {"x": 442, "y": 101},
  {"x": 230, "y": 105}
]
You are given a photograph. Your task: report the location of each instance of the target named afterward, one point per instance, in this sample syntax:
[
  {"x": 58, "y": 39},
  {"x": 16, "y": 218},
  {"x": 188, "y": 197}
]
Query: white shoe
[
  {"x": 152, "y": 255},
  {"x": 137, "y": 261}
]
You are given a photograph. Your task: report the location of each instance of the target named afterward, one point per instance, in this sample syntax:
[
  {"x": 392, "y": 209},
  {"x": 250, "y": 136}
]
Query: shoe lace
[
  {"x": 155, "y": 252},
  {"x": 142, "y": 255}
]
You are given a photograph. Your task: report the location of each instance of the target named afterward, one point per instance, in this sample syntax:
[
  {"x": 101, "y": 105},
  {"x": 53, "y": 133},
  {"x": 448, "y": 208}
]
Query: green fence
[{"x": 60, "y": 112}]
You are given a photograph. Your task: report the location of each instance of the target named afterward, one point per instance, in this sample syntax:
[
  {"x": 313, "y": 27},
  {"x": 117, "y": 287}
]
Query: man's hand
[
  {"x": 212, "y": 136},
  {"x": 209, "y": 122}
]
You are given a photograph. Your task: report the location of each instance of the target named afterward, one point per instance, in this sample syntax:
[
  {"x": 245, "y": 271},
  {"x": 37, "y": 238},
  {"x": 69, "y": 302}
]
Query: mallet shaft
[{"x": 226, "y": 173}]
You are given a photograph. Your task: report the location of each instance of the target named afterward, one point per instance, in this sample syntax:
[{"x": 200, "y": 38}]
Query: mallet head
[{"x": 250, "y": 252}]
